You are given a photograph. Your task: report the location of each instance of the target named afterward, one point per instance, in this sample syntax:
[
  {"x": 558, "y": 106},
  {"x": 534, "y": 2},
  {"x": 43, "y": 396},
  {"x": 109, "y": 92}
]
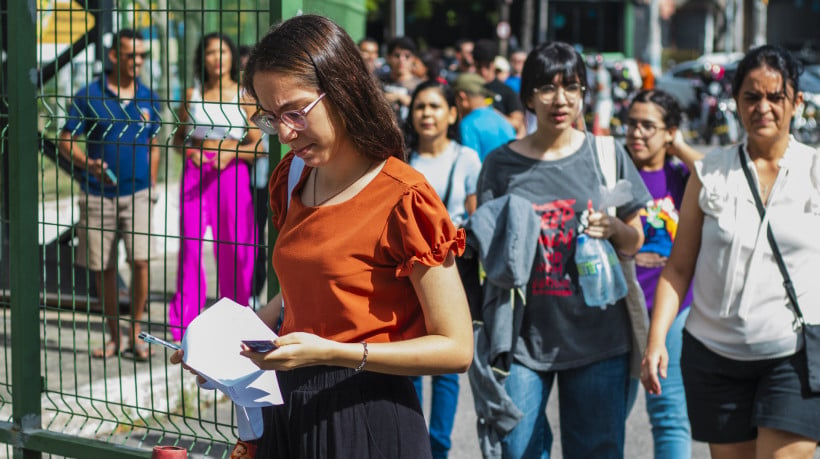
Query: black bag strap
[
  {"x": 446, "y": 198},
  {"x": 787, "y": 281}
]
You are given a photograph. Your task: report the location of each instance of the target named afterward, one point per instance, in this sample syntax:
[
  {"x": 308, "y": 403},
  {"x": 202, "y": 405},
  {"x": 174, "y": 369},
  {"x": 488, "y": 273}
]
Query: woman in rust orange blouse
[{"x": 365, "y": 256}]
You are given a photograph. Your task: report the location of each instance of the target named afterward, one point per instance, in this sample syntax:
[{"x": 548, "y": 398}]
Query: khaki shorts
[{"x": 104, "y": 221}]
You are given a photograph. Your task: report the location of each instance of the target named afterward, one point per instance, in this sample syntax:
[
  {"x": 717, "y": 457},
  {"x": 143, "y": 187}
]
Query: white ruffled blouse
[{"x": 740, "y": 307}]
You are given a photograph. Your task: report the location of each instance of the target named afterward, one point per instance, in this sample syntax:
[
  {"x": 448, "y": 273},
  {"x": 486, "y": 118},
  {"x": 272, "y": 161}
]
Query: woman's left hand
[
  {"x": 294, "y": 350},
  {"x": 601, "y": 225},
  {"x": 224, "y": 158}
]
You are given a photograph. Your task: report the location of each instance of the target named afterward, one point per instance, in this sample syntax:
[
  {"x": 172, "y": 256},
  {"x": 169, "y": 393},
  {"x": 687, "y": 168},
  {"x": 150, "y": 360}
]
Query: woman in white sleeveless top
[{"x": 215, "y": 187}]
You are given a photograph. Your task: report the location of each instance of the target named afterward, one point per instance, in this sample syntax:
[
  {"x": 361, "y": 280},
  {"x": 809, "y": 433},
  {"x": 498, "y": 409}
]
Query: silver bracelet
[{"x": 364, "y": 358}]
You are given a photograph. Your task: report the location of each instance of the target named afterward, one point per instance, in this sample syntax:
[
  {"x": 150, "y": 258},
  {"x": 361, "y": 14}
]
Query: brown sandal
[
  {"x": 140, "y": 352},
  {"x": 111, "y": 349}
]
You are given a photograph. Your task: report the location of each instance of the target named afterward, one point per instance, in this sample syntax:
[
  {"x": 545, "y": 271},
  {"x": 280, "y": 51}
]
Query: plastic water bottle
[
  {"x": 619, "y": 287},
  {"x": 599, "y": 272},
  {"x": 590, "y": 271}
]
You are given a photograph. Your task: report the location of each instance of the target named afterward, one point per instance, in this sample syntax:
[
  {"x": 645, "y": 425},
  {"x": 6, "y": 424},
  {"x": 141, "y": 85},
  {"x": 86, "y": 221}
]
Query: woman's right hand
[
  {"x": 195, "y": 155},
  {"x": 176, "y": 359},
  {"x": 677, "y": 143},
  {"x": 296, "y": 350},
  {"x": 653, "y": 367},
  {"x": 683, "y": 151},
  {"x": 650, "y": 260}
]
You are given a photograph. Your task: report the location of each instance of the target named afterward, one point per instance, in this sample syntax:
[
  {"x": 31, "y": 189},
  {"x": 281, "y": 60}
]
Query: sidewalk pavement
[{"x": 638, "y": 434}]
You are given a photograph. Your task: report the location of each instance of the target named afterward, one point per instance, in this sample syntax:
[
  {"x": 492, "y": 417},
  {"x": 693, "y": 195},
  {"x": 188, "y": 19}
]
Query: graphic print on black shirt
[
  {"x": 558, "y": 226},
  {"x": 559, "y": 330}
]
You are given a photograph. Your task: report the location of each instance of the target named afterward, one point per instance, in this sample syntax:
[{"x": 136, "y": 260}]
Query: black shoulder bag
[{"x": 811, "y": 333}]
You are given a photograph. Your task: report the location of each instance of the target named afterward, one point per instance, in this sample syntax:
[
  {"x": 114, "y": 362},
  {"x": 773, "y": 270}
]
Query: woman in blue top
[{"x": 452, "y": 169}]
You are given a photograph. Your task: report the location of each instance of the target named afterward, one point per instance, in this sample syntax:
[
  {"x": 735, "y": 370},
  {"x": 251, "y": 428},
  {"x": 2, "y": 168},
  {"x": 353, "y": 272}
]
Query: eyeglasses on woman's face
[
  {"x": 647, "y": 128},
  {"x": 547, "y": 93},
  {"x": 294, "y": 119}
]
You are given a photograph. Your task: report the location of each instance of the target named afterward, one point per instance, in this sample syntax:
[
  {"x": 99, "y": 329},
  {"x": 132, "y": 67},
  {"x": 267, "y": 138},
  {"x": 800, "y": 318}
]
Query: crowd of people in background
[{"x": 422, "y": 154}]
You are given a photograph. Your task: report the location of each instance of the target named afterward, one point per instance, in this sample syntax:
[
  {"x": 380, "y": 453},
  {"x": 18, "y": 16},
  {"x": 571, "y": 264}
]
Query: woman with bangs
[
  {"x": 585, "y": 349},
  {"x": 365, "y": 256}
]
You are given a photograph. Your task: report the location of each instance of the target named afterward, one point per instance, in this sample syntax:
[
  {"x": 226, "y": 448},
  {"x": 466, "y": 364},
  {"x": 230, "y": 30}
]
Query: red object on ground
[{"x": 169, "y": 452}]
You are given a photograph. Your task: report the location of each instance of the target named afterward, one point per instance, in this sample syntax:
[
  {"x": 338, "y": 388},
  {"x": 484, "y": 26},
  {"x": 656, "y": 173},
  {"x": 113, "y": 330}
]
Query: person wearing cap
[
  {"x": 482, "y": 128},
  {"x": 501, "y": 66}
]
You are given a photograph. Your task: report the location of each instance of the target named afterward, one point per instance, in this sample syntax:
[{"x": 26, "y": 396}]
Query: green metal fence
[{"x": 55, "y": 397}]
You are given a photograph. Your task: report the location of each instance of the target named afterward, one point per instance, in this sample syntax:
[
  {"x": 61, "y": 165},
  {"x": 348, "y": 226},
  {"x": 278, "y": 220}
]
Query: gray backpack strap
[
  {"x": 635, "y": 299},
  {"x": 294, "y": 173},
  {"x": 605, "y": 149}
]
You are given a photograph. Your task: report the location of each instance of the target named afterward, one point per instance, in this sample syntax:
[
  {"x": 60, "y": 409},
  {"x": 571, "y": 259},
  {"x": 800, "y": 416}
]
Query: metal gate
[{"x": 59, "y": 58}]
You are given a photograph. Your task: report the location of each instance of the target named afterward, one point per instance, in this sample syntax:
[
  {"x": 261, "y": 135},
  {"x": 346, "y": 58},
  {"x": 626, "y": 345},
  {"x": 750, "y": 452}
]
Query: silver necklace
[{"x": 337, "y": 193}]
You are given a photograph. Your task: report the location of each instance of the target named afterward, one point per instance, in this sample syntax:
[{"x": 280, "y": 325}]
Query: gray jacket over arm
[{"x": 504, "y": 232}]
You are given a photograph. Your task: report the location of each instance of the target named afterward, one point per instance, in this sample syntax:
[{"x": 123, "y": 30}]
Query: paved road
[
  {"x": 638, "y": 441},
  {"x": 638, "y": 435}
]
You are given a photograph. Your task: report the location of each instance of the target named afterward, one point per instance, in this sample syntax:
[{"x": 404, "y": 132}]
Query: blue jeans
[
  {"x": 442, "y": 411},
  {"x": 592, "y": 407},
  {"x": 667, "y": 412}
]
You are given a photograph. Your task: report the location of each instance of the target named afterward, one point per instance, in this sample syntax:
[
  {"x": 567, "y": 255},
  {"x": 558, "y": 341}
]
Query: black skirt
[{"x": 333, "y": 412}]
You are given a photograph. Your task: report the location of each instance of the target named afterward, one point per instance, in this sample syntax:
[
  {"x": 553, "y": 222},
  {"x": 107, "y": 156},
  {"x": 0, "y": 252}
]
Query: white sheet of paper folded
[{"x": 212, "y": 344}]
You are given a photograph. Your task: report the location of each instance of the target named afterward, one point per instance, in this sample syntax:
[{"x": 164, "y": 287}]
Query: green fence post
[
  {"x": 629, "y": 29},
  {"x": 24, "y": 286},
  {"x": 279, "y": 10}
]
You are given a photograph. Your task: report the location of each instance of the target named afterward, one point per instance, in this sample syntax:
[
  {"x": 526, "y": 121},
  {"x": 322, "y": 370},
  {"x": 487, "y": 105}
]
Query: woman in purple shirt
[{"x": 664, "y": 160}]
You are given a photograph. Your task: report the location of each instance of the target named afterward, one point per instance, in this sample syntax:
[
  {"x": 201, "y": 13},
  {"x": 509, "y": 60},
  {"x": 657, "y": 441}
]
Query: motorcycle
[
  {"x": 623, "y": 87},
  {"x": 718, "y": 115},
  {"x": 805, "y": 127}
]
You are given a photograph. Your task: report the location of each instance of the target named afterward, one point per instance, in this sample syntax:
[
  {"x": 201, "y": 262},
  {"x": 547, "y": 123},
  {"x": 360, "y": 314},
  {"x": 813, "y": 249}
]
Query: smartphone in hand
[
  {"x": 263, "y": 346},
  {"x": 151, "y": 339},
  {"x": 112, "y": 177}
]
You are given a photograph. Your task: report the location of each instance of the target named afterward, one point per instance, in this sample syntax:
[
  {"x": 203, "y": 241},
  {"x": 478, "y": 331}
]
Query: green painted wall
[{"x": 350, "y": 14}]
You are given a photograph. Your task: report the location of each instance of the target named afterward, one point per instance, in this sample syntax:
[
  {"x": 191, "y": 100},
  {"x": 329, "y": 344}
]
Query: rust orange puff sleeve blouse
[{"x": 344, "y": 268}]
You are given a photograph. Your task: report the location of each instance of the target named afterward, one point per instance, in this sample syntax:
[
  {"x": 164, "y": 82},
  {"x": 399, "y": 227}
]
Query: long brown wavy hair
[{"x": 319, "y": 53}]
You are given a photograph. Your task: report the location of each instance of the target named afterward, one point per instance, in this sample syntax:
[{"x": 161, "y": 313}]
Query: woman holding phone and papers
[{"x": 365, "y": 256}]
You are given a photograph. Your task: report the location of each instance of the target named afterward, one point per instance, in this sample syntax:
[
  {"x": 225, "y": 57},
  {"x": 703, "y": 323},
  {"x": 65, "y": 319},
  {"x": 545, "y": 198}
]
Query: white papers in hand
[{"x": 212, "y": 344}]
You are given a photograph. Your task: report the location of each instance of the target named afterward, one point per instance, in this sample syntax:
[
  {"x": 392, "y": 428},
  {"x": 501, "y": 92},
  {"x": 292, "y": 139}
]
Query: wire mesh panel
[
  {"x": 121, "y": 156},
  {"x": 148, "y": 206}
]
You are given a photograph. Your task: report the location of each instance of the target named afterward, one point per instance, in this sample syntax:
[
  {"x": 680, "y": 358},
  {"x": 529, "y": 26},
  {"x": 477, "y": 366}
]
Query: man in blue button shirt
[{"x": 119, "y": 118}]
